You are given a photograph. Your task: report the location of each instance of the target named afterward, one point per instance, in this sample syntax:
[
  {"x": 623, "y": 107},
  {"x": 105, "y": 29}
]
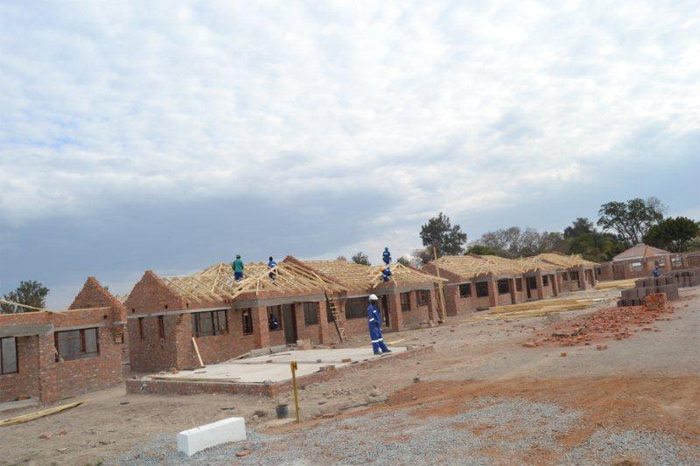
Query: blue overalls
[
  {"x": 375, "y": 329},
  {"x": 386, "y": 256}
]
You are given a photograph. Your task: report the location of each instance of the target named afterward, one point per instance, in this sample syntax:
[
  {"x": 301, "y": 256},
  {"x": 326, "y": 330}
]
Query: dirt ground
[{"x": 638, "y": 395}]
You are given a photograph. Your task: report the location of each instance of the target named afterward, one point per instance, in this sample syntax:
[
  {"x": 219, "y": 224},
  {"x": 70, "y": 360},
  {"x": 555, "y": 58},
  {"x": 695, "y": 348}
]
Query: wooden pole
[
  {"x": 293, "y": 366},
  {"x": 196, "y": 350},
  {"x": 442, "y": 314}
]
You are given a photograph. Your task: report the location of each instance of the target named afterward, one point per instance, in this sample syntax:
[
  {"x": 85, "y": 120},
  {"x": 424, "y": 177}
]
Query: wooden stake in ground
[
  {"x": 293, "y": 366},
  {"x": 196, "y": 350},
  {"x": 36, "y": 415},
  {"x": 442, "y": 313}
]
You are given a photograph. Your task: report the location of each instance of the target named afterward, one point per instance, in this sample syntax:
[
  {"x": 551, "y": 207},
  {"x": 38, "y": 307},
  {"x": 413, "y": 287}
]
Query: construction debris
[
  {"x": 615, "y": 322},
  {"x": 38, "y": 414}
]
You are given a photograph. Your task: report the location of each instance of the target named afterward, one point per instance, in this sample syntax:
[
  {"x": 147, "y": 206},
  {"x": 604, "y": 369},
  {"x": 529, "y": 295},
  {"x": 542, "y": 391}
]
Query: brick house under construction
[
  {"x": 479, "y": 282},
  {"x": 406, "y": 300},
  {"x": 51, "y": 355},
  {"x": 170, "y": 319},
  {"x": 574, "y": 272}
]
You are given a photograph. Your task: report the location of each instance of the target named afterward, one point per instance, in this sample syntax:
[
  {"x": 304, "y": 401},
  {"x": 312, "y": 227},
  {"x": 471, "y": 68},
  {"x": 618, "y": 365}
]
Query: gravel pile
[
  {"x": 511, "y": 426},
  {"x": 610, "y": 447}
]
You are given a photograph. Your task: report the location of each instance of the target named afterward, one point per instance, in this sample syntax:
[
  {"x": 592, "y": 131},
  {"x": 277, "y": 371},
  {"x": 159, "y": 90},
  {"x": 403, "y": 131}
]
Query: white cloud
[{"x": 106, "y": 101}]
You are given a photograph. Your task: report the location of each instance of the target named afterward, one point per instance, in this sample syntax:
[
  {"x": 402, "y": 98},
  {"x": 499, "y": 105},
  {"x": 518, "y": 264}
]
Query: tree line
[{"x": 620, "y": 225}]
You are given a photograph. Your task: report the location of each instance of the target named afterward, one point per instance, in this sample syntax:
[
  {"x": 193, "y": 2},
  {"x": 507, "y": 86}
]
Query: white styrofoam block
[{"x": 191, "y": 441}]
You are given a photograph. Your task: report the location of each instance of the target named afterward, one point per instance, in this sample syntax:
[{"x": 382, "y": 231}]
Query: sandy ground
[{"x": 479, "y": 398}]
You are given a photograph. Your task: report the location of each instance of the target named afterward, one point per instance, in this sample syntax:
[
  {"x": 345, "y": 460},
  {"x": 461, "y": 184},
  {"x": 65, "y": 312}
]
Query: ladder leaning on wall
[{"x": 337, "y": 318}]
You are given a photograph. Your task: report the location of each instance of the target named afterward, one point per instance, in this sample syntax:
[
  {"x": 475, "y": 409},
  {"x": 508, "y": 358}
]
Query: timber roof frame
[
  {"x": 369, "y": 277},
  {"x": 217, "y": 284}
]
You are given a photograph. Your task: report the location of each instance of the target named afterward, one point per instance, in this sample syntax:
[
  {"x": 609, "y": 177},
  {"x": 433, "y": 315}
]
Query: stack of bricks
[
  {"x": 649, "y": 286},
  {"x": 685, "y": 278}
]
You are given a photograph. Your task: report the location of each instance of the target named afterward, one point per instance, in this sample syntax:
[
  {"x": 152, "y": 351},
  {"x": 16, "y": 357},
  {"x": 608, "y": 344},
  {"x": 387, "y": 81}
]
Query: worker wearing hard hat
[{"x": 374, "y": 319}]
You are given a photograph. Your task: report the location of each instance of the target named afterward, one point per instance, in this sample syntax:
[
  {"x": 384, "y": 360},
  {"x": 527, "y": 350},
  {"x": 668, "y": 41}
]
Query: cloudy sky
[{"x": 171, "y": 135}]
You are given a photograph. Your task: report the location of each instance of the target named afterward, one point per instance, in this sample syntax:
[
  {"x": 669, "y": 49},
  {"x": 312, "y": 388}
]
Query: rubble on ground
[{"x": 609, "y": 323}]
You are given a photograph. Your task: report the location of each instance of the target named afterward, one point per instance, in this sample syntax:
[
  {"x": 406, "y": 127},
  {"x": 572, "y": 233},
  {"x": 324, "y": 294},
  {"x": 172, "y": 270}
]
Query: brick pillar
[
  {"x": 261, "y": 329},
  {"x": 514, "y": 298},
  {"x": 433, "y": 305},
  {"x": 46, "y": 372},
  {"x": 582, "y": 278},
  {"x": 395, "y": 313},
  {"x": 493, "y": 291},
  {"x": 540, "y": 285},
  {"x": 179, "y": 342},
  {"x": 451, "y": 296},
  {"x": 302, "y": 334},
  {"x": 324, "y": 327}
]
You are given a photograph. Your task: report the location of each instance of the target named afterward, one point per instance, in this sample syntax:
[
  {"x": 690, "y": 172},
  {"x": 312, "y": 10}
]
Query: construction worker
[
  {"x": 656, "y": 273},
  {"x": 273, "y": 322},
  {"x": 374, "y": 320},
  {"x": 386, "y": 274},
  {"x": 386, "y": 256},
  {"x": 271, "y": 264},
  {"x": 238, "y": 267}
]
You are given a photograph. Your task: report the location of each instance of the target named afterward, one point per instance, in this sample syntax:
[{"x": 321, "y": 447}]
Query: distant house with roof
[{"x": 637, "y": 261}]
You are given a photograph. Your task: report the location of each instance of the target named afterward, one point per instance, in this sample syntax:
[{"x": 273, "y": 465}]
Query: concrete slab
[
  {"x": 19, "y": 404},
  {"x": 275, "y": 367},
  {"x": 327, "y": 356}
]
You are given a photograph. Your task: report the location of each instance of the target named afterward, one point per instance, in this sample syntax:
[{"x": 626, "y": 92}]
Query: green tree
[
  {"x": 631, "y": 220},
  {"x": 32, "y": 293},
  {"x": 694, "y": 244},
  {"x": 360, "y": 258},
  {"x": 447, "y": 239},
  {"x": 480, "y": 250},
  {"x": 673, "y": 234},
  {"x": 513, "y": 242},
  {"x": 581, "y": 226}
]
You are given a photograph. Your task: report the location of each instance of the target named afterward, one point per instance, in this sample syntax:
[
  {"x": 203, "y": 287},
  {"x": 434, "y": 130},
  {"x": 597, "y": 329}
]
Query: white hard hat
[{"x": 373, "y": 297}]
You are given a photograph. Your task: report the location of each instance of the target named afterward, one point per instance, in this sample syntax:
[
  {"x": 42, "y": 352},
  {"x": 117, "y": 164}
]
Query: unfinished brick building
[
  {"x": 406, "y": 300},
  {"x": 573, "y": 272},
  {"x": 477, "y": 282},
  {"x": 171, "y": 318},
  {"x": 51, "y": 355}
]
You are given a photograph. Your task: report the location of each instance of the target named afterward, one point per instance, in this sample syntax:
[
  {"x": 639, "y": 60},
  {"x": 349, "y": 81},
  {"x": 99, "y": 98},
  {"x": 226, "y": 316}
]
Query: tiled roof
[{"x": 640, "y": 251}]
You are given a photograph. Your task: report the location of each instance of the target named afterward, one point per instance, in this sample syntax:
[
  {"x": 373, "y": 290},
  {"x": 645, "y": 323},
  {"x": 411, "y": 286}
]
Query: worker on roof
[
  {"x": 374, "y": 320},
  {"x": 386, "y": 256},
  {"x": 238, "y": 267},
  {"x": 271, "y": 264},
  {"x": 386, "y": 274}
]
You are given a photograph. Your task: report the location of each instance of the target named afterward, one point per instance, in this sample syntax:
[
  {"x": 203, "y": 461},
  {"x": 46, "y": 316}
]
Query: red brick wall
[
  {"x": 39, "y": 373},
  {"x": 26, "y": 381},
  {"x": 150, "y": 352}
]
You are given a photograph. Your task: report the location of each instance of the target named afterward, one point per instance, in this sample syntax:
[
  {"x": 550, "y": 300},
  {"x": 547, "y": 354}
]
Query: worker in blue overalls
[
  {"x": 374, "y": 320},
  {"x": 386, "y": 256}
]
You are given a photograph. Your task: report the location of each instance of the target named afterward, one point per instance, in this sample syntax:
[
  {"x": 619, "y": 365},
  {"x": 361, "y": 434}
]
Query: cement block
[{"x": 200, "y": 438}]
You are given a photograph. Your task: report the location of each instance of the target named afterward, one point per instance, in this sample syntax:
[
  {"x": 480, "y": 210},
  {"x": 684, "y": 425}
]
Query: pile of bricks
[
  {"x": 685, "y": 278},
  {"x": 644, "y": 287},
  {"x": 610, "y": 323}
]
